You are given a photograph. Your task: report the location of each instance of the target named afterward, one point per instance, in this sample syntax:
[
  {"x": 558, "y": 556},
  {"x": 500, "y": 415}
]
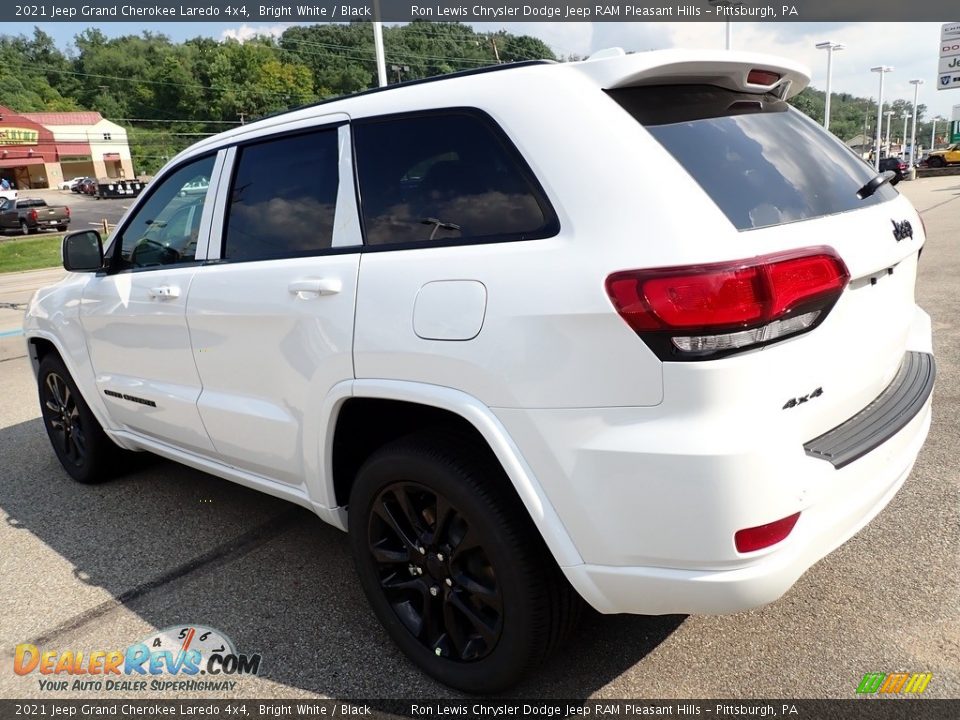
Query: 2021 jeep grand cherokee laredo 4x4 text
[{"x": 464, "y": 321}]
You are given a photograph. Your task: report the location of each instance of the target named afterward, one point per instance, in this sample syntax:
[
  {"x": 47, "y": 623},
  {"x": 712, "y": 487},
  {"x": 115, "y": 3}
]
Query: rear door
[{"x": 272, "y": 318}]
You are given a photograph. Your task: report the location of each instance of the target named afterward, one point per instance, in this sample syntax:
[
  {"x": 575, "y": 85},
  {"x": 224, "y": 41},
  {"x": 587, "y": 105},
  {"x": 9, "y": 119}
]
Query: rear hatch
[{"x": 786, "y": 184}]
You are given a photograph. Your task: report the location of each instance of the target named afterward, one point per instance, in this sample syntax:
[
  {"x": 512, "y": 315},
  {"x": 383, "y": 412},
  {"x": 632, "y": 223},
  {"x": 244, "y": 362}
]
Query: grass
[{"x": 29, "y": 253}]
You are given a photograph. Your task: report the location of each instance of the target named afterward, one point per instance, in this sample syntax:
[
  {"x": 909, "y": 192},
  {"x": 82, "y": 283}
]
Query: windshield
[{"x": 761, "y": 161}]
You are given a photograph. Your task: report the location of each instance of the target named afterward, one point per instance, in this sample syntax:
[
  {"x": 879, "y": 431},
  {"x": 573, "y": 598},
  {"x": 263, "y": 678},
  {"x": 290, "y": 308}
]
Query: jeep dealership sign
[{"x": 948, "y": 72}]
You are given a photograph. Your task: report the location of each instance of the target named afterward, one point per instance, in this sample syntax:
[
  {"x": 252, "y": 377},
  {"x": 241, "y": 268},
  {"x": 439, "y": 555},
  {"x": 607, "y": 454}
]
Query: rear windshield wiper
[{"x": 875, "y": 184}]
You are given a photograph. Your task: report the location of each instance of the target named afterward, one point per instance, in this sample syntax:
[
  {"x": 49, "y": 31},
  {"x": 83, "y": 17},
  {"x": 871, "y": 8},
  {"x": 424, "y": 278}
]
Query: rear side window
[
  {"x": 443, "y": 177},
  {"x": 761, "y": 161},
  {"x": 283, "y": 197}
]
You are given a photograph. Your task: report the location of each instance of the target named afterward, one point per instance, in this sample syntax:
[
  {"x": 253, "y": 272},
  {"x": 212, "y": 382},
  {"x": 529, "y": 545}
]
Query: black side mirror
[{"x": 82, "y": 251}]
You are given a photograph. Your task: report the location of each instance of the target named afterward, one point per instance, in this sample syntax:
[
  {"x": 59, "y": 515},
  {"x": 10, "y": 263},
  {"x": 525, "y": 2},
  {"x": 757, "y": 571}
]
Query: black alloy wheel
[
  {"x": 63, "y": 419},
  {"x": 452, "y": 564},
  {"x": 79, "y": 442},
  {"x": 435, "y": 573}
]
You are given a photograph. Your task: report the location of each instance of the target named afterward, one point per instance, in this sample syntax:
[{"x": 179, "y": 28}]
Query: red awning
[
  {"x": 74, "y": 149},
  {"x": 111, "y": 156},
  {"x": 17, "y": 162}
]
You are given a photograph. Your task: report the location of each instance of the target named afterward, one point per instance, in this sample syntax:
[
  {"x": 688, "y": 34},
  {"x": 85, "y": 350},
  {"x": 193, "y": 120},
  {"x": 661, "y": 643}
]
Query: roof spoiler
[{"x": 739, "y": 71}]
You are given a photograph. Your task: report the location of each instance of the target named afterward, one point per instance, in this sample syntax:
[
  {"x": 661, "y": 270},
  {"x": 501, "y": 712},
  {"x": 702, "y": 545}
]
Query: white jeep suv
[{"x": 630, "y": 330}]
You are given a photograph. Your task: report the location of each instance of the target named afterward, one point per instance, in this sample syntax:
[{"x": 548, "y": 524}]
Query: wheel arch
[
  {"x": 379, "y": 406},
  {"x": 40, "y": 344}
]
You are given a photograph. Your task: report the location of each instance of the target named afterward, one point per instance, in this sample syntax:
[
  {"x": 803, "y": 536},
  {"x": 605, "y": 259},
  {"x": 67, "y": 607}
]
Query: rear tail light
[
  {"x": 68, "y": 211},
  {"x": 697, "y": 311},
  {"x": 763, "y": 536},
  {"x": 32, "y": 215}
]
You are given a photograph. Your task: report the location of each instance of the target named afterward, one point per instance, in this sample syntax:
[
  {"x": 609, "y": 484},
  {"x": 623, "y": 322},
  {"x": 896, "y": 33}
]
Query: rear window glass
[
  {"x": 761, "y": 161},
  {"x": 442, "y": 177}
]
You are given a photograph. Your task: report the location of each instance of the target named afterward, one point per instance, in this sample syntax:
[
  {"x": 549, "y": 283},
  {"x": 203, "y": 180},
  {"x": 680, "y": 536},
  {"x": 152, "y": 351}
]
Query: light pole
[
  {"x": 906, "y": 116},
  {"x": 933, "y": 132},
  {"x": 913, "y": 140},
  {"x": 378, "y": 45},
  {"x": 883, "y": 70},
  {"x": 829, "y": 46},
  {"x": 889, "y": 114}
]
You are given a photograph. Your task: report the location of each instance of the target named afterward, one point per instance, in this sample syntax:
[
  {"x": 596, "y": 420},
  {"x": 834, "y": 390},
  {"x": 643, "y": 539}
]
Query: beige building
[{"x": 44, "y": 149}]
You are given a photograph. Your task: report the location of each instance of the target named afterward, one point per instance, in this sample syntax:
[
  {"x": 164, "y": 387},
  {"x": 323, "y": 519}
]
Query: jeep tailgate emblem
[{"x": 902, "y": 230}]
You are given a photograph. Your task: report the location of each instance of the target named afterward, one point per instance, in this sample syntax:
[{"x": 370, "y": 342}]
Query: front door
[{"x": 134, "y": 315}]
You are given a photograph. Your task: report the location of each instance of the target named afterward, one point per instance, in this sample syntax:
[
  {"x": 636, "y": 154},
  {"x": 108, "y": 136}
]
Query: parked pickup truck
[{"x": 28, "y": 215}]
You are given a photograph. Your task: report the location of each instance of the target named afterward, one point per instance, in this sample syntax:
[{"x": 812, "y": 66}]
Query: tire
[
  {"x": 937, "y": 162},
  {"x": 24, "y": 228},
  {"x": 83, "y": 449},
  {"x": 62, "y": 228},
  {"x": 476, "y": 618}
]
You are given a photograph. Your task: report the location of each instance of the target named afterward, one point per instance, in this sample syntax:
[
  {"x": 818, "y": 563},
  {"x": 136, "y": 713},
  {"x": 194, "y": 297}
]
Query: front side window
[
  {"x": 445, "y": 176},
  {"x": 283, "y": 197},
  {"x": 165, "y": 229}
]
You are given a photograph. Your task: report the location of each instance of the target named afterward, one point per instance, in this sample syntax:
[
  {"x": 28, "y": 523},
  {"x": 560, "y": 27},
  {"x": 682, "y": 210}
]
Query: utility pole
[
  {"x": 243, "y": 118},
  {"x": 496, "y": 53},
  {"x": 378, "y": 45}
]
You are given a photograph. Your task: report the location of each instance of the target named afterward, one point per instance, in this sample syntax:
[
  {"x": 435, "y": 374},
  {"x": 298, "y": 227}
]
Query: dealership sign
[
  {"x": 18, "y": 136},
  {"x": 948, "y": 72}
]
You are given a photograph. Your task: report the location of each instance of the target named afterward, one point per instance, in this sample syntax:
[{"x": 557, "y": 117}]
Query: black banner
[
  {"x": 101, "y": 11},
  {"x": 858, "y": 709}
]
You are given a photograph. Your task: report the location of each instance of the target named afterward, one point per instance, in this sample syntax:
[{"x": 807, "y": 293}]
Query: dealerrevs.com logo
[{"x": 182, "y": 658}]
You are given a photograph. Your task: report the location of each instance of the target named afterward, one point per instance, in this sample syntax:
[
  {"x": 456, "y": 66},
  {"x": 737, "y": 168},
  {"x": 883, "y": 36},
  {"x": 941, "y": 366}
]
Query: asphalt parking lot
[
  {"x": 104, "y": 566},
  {"x": 85, "y": 212}
]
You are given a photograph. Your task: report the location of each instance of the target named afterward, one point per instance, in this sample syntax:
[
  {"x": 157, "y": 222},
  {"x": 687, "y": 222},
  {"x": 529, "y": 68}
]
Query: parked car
[
  {"x": 947, "y": 156},
  {"x": 78, "y": 186},
  {"x": 665, "y": 370},
  {"x": 9, "y": 194},
  {"x": 28, "y": 215},
  {"x": 196, "y": 187},
  {"x": 87, "y": 186},
  {"x": 69, "y": 184},
  {"x": 895, "y": 164}
]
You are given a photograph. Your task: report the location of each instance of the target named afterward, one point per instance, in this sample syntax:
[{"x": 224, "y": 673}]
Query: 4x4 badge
[{"x": 902, "y": 230}]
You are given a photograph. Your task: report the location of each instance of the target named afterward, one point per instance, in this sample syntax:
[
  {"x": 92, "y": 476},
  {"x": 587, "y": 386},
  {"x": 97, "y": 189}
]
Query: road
[{"x": 104, "y": 566}]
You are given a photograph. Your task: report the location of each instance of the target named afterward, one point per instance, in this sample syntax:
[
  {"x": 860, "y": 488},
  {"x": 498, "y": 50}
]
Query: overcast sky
[{"x": 911, "y": 48}]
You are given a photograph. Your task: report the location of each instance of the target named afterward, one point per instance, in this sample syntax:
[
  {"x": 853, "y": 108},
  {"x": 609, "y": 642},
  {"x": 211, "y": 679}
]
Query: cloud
[{"x": 248, "y": 32}]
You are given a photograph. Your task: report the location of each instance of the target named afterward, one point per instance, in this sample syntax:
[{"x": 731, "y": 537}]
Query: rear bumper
[
  {"x": 866, "y": 487},
  {"x": 652, "y": 498}
]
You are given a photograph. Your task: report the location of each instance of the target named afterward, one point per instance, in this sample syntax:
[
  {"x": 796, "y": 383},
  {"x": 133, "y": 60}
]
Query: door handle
[
  {"x": 164, "y": 292},
  {"x": 315, "y": 286}
]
